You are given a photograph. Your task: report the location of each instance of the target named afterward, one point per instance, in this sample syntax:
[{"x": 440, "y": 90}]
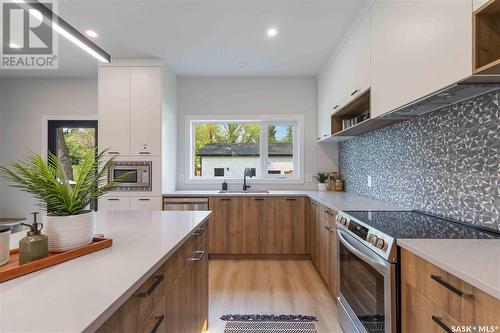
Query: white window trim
[{"x": 298, "y": 147}]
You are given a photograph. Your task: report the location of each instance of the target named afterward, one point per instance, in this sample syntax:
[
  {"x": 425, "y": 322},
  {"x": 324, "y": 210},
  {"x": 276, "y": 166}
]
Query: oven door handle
[{"x": 363, "y": 254}]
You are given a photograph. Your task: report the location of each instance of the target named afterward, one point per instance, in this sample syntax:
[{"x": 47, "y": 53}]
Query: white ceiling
[{"x": 208, "y": 37}]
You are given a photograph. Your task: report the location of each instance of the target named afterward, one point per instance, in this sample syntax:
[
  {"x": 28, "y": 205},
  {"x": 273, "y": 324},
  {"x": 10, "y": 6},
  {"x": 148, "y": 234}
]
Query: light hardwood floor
[{"x": 269, "y": 287}]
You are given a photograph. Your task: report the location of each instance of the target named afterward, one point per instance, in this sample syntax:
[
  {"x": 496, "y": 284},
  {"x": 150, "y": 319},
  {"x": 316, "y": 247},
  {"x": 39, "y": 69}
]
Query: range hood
[{"x": 471, "y": 87}]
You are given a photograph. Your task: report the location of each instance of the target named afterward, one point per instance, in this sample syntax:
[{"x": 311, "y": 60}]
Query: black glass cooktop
[{"x": 413, "y": 224}]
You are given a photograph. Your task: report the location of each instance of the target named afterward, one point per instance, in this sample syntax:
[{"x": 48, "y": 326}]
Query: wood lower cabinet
[
  {"x": 312, "y": 217},
  {"x": 291, "y": 220},
  {"x": 174, "y": 298},
  {"x": 434, "y": 300},
  {"x": 258, "y": 226},
  {"x": 324, "y": 244},
  {"x": 226, "y": 225}
]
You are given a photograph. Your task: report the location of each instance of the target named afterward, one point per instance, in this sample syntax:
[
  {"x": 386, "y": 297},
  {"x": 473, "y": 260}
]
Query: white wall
[
  {"x": 254, "y": 95},
  {"x": 23, "y": 103},
  {"x": 169, "y": 129}
]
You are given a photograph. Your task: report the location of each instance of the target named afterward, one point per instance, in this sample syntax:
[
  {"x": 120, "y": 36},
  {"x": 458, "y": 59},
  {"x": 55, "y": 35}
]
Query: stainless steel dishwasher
[{"x": 185, "y": 204}]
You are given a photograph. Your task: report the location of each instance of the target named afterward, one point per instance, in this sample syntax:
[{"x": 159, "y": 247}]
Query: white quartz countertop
[
  {"x": 332, "y": 200},
  {"x": 476, "y": 261},
  {"x": 79, "y": 295}
]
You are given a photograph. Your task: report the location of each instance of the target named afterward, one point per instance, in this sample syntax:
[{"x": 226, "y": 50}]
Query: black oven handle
[{"x": 360, "y": 251}]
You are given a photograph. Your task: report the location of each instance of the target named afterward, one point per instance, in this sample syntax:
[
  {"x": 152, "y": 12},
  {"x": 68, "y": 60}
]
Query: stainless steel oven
[
  {"x": 132, "y": 175},
  {"x": 367, "y": 298}
]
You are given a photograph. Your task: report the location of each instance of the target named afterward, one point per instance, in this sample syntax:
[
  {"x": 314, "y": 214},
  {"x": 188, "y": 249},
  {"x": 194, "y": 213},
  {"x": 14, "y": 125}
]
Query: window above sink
[{"x": 221, "y": 147}]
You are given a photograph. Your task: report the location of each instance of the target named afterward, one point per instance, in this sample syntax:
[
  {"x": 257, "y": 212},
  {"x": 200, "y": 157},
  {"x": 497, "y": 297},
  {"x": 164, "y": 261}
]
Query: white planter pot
[
  {"x": 69, "y": 232},
  {"x": 322, "y": 187}
]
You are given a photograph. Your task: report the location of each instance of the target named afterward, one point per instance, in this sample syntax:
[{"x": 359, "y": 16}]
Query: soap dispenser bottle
[{"x": 35, "y": 245}]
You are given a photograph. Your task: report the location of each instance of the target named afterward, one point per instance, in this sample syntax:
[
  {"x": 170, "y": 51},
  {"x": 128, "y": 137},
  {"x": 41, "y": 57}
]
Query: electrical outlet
[{"x": 369, "y": 181}]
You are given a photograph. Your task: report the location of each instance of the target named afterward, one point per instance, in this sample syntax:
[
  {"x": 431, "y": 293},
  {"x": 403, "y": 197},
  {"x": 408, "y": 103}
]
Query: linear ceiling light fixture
[{"x": 68, "y": 31}]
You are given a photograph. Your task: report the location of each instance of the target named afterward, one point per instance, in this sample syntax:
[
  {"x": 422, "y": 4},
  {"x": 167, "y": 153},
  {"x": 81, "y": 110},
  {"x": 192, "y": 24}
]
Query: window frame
[{"x": 264, "y": 120}]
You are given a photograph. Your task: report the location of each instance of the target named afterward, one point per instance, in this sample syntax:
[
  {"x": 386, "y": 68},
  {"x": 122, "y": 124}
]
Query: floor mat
[{"x": 269, "y": 324}]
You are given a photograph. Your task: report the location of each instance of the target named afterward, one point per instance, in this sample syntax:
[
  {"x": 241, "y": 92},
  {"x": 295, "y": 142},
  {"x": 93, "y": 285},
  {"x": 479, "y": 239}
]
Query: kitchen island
[{"x": 83, "y": 294}]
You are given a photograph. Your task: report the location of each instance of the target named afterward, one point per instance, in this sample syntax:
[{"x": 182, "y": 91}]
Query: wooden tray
[{"x": 12, "y": 269}]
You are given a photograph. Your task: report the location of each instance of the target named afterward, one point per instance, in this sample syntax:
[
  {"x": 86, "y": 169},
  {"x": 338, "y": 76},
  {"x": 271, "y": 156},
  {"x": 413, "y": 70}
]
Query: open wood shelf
[
  {"x": 486, "y": 39},
  {"x": 353, "y": 109}
]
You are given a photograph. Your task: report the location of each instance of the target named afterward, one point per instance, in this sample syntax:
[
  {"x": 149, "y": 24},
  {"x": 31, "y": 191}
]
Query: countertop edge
[
  {"x": 287, "y": 193},
  {"x": 92, "y": 327},
  {"x": 463, "y": 275}
]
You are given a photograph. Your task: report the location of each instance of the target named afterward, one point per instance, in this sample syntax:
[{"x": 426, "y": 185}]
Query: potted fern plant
[
  {"x": 68, "y": 223},
  {"x": 322, "y": 177}
]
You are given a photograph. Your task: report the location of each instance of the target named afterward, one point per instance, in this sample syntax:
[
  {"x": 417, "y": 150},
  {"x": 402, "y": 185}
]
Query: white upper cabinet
[
  {"x": 130, "y": 110},
  {"x": 356, "y": 61},
  {"x": 417, "y": 47},
  {"x": 345, "y": 76},
  {"x": 114, "y": 110},
  {"x": 145, "y": 110},
  {"x": 325, "y": 100}
]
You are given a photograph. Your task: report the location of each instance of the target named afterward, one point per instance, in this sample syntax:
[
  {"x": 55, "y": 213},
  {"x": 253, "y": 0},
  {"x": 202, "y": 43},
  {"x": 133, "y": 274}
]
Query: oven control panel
[{"x": 374, "y": 239}]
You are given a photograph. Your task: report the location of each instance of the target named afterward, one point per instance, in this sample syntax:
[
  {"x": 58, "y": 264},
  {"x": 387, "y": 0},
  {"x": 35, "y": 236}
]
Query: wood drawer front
[
  {"x": 156, "y": 322},
  {"x": 142, "y": 303},
  {"x": 430, "y": 281},
  {"x": 201, "y": 237},
  {"x": 132, "y": 315},
  {"x": 479, "y": 308},
  {"x": 173, "y": 267},
  {"x": 421, "y": 315}
]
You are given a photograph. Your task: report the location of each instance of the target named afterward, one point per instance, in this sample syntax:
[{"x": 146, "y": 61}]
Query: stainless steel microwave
[{"x": 135, "y": 175}]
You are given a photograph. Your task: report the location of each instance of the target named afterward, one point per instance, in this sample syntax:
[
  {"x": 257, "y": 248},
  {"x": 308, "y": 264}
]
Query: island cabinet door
[
  {"x": 291, "y": 220},
  {"x": 226, "y": 225},
  {"x": 260, "y": 228}
]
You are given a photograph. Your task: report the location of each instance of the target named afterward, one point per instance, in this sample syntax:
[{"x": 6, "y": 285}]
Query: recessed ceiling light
[
  {"x": 271, "y": 32},
  {"x": 91, "y": 33},
  {"x": 243, "y": 64},
  {"x": 14, "y": 46}
]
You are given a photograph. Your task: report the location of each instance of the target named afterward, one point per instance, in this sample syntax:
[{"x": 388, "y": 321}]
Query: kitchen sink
[{"x": 248, "y": 191}]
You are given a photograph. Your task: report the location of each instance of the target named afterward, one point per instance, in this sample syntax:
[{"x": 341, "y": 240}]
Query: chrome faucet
[{"x": 247, "y": 172}]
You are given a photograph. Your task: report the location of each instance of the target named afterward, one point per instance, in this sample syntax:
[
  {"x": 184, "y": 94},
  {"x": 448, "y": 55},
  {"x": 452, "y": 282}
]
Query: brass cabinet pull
[
  {"x": 440, "y": 280},
  {"x": 144, "y": 153},
  {"x": 354, "y": 92},
  {"x": 113, "y": 199},
  {"x": 158, "y": 279},
  {"x": 438, "y": 321},
  {"x": 291, "y": 199},
  {"x": 113, "y": 153},
  {"x": 159, "y": 320},
  {"x": 225, "y": 199},
  {"x": 259, "y": 199},
  {"x": 144, "y": 199}
]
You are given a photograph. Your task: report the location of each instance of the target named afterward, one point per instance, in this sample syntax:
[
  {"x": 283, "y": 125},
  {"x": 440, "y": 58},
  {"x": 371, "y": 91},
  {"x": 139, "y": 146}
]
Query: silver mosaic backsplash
[{"x": 446, "y": 162}]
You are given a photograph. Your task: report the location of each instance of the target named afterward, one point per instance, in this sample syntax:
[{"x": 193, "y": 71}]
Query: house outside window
[{"x": 224, "y": 147}]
